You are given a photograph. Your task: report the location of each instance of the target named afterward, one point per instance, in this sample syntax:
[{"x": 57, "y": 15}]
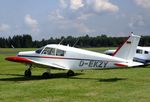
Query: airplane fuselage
[{"x": 79, "y": 60}]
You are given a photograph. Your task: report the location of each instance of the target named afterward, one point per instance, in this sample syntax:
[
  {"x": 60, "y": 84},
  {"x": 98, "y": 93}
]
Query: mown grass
[{"x": 118, "y": 85}]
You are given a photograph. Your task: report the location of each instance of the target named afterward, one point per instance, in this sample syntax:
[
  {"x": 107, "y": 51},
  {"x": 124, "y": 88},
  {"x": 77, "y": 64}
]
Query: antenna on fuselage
[
  {"x": 75, "y": 43},
  {"x": 12, "y": 46},
  {"x": 61, "y": 41}
]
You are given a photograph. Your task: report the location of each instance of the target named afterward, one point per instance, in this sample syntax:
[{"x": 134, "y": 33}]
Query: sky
[{"x": 56, "y": 18}]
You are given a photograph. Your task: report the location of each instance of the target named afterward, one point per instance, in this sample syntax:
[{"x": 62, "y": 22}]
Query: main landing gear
[
  {"x": 46, "y": 74},
  {"x": 28, "y": 72},
  {"x": 70, "y": 73}
]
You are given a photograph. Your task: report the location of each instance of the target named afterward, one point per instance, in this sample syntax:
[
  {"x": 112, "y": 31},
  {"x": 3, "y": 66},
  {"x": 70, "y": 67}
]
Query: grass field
[{"x": 118, "y": 85}]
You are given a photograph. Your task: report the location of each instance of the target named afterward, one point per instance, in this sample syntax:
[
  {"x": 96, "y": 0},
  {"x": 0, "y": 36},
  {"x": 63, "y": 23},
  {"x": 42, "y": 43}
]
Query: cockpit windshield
[{"x": 39, "y": 50}]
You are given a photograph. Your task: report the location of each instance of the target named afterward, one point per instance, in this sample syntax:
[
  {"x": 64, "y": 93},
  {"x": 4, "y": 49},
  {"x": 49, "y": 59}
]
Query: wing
[{"x": 29, "y": 61}]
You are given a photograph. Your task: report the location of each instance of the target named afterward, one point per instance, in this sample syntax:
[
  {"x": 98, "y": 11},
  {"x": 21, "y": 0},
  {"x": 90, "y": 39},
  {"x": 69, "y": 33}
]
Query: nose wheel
[{"x": 28, "y": 73}]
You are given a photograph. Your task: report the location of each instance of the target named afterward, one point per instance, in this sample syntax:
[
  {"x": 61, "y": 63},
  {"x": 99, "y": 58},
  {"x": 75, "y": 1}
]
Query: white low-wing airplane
[
  {"x": 142, "y": 54},
  {"x": 70, "y": 58}
]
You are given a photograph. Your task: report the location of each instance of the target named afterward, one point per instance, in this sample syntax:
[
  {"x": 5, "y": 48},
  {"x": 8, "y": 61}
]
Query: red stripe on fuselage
[
  {"x": 18, "y": 59},
  {"x": 65, "y": 58},
  {"x": 51, "y": 57},
  {"x": 120, "y": 65}
]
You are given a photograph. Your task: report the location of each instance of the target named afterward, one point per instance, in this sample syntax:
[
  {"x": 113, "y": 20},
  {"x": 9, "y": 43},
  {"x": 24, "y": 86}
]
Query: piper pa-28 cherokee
[{"x": 70, "y": 58}]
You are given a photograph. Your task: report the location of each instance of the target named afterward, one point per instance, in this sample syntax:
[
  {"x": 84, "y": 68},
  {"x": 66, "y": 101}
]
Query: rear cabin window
[
  {"x": 138, "y": 51},
  {"x": 53, "y": 51},
  {"x": 146, "y": 52},
  {"x": 60, "y": 52}
]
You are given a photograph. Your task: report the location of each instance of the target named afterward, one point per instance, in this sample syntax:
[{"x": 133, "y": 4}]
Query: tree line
[{"x": 25, "y": 41}]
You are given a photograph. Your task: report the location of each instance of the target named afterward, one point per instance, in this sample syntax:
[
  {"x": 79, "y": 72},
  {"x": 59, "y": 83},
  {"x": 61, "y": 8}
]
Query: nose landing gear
[{"x": 27, "y": 73}]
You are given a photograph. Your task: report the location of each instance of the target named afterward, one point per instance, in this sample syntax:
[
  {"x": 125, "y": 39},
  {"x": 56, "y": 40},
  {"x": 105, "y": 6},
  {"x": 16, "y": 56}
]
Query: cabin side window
[
  {"x": 49, "y": 51},
  {"x": 138, "y": 51},
  {"x": 60, "y": 52},
  {"x": 146, "y": 52},
  {"x": 53, "y": 51}
]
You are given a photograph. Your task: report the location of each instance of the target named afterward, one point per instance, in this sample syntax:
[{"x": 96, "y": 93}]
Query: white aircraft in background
[
  {"x": 142, "y": 54},
  {"x": 69, "y": 58}
]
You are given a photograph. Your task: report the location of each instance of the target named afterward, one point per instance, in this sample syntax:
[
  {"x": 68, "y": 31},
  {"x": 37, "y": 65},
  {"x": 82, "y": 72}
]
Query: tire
[
  {"x": 27, "y": 73},
  {"x": 70, "y": 73},
  {"x": 46, "y": 75}
]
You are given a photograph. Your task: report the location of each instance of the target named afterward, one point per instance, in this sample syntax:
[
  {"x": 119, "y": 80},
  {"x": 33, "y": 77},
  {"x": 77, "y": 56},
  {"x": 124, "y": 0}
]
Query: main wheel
[
  {"x": 70, "y": 73},
  {"x": 27, "y": 73},
  {"x": 46, "y": 75}
]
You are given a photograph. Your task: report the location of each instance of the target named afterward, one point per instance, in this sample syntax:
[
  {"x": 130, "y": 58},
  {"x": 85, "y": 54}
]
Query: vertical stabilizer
[{"x": 128, "y": 49}]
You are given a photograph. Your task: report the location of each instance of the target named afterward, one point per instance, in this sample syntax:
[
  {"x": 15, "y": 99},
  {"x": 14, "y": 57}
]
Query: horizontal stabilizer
[{"x": 128, "y": 64}]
